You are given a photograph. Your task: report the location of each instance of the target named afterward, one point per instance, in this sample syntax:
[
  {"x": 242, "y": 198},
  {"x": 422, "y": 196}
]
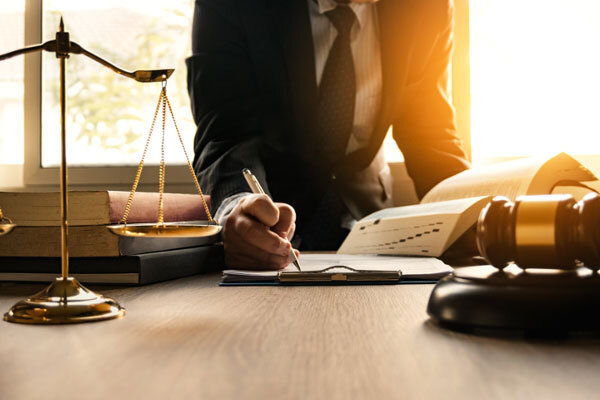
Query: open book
[{"x": 453, "y": 206}]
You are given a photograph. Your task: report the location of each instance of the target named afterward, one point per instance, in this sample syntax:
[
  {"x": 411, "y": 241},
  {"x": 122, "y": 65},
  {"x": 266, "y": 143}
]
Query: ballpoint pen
[{"x": 256, "y": 188}]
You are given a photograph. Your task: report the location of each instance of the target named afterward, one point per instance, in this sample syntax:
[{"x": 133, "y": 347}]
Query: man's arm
[
  {"x": 225, "y": 101},
  {"x": 227, "y": 108},
  {"x": 425, "y": 130}
]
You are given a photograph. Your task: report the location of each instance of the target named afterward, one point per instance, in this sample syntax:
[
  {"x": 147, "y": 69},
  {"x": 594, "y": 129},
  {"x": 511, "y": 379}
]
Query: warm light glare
[
  {"x": 535, "y": 77},
  {"x": 11, "y": 84}
]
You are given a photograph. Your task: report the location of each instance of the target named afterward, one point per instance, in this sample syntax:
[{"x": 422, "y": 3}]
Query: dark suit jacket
[{"x": 252, "y": 83}]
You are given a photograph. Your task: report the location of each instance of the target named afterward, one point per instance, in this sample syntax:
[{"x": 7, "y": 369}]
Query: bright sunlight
[{"x": 535, "y": 77}]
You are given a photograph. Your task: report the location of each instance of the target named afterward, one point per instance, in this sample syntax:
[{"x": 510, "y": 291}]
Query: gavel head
[{"x": 545, "y": 231}]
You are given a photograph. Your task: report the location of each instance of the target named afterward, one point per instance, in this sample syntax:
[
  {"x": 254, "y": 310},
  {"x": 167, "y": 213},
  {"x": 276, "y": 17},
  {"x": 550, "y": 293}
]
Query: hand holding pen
[
  {"x": 256, "y": 233},
  {"x": 257, "y": 189}
]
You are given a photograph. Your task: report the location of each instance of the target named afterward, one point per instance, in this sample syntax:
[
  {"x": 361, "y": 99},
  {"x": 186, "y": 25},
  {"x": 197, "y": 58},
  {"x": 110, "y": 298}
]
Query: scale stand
[{"x": 66, "y": 300}]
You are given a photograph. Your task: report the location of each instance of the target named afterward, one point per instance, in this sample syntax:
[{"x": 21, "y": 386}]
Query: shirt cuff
[{"x": 227, "y": 207}]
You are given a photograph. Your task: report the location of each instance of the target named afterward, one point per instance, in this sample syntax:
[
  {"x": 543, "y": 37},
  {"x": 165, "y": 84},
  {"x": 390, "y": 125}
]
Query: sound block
[{"x": 537, "y": 302}]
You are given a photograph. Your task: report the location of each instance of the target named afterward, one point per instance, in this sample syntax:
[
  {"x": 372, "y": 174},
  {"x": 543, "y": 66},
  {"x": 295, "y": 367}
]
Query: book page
[
  {"x": 533, "y": 175},
  {"x": 557, "y": 170},
  {"x": 412, "y": 267},
  {"x": 510, "y": 179},
  {"x": 423, "y": 229},
  {"x": 577, "y": 190},
  {"x": 456, "y": 206}
]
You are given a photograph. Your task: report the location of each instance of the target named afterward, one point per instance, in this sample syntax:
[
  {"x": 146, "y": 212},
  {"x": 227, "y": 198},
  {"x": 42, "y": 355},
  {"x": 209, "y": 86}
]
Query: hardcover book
[
  {"x": 100, "y": 207},
  {"x": 88, "y": 241},
  {"x": 138, "y": 269}
]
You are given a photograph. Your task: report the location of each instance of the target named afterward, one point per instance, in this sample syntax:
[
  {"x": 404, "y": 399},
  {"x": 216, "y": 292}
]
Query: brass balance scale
[{"x": 66, "y": 300}]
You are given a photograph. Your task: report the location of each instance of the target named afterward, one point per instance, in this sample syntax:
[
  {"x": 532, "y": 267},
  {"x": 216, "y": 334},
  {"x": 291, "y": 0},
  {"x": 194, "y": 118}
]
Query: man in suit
[{"x": 302, "y": 92}]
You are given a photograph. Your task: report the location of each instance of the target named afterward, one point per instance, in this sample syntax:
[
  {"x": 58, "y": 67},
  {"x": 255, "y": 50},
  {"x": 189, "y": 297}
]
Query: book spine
[
  {"x": 177, "y": 207},
  {"x": 141, "y": 245},
  {"x": 100, "y": 207}
]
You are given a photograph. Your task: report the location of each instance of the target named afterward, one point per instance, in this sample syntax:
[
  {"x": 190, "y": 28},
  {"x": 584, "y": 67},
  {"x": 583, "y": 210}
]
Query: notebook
[{"x": 345, "y": 269}]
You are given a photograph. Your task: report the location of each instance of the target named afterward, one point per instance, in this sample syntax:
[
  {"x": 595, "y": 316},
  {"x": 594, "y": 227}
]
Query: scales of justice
[{"x": 66, "y": 300}]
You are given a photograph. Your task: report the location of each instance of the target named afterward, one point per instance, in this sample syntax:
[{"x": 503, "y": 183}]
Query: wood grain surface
[{"x": 190, "y": 338}]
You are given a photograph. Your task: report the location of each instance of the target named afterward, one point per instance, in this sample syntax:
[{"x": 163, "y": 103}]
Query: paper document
[
  {"x": 411, "y": 267},
  {"x": 427, "y": 229}
]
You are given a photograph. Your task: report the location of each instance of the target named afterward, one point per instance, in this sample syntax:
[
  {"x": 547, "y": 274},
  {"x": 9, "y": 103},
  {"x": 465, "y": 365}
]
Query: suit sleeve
[
  {"x": 425, "y": 128},
  {"x": 225, "y": 102}
]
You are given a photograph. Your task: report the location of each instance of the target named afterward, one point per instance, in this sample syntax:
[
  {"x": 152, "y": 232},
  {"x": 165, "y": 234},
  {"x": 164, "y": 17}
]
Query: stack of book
[{"x": 32, "y": 251}]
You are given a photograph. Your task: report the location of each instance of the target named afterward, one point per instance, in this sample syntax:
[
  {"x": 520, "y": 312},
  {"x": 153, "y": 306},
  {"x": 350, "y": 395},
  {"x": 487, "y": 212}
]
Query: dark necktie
[
  {"x": 337, "y": 91},
  {"x": 335, "y": 117}
]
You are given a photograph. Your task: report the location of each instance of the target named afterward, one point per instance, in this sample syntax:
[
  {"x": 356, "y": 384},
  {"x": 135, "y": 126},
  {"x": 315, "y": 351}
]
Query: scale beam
[{"x": 142, "y": 75}]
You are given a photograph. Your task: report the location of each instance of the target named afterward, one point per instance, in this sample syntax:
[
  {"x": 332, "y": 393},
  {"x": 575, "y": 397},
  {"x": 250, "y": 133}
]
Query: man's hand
[{"x": 257, "y": 232}]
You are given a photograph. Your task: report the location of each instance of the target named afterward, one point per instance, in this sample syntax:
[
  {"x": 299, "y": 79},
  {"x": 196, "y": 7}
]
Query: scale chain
[
  {"x": 138, "y": 173},
  {"x": 161, "y": 170},
  {"x": 191, "y": 169},
  {"x": 162, "y": 105}
]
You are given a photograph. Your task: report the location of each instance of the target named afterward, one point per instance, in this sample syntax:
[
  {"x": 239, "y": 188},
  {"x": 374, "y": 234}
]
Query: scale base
[
  {"x": 538, "y": 304},
  {"x": 65, "y": 301}
]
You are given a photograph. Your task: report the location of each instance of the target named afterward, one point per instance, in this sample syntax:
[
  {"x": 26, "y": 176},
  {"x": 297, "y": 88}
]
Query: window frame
[
  {"x": 117, "y": 177},
  {"x": 461, "y": 74}
]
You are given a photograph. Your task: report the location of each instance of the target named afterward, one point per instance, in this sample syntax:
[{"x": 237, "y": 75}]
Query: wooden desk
[{"x": 190, "y": 338}]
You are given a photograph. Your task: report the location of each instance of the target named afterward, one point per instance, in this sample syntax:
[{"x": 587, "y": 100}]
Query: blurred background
[{"x": 529, "y": 72}]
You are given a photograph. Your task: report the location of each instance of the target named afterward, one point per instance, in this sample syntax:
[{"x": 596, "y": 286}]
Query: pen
[{"x": 256, "y": 188}]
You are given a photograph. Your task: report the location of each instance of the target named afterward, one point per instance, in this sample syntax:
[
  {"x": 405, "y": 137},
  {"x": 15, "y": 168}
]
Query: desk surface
[{"x": 191, "y": 338}]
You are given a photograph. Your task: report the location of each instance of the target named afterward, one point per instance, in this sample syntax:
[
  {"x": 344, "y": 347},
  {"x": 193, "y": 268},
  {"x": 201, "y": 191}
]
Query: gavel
[{"x": 545, "y": 231}]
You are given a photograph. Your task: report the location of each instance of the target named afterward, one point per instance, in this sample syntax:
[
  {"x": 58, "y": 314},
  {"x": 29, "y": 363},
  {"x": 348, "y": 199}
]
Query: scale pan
[
  {"x": 6, "y": 228},
  {"x": 169, "y": 230}
]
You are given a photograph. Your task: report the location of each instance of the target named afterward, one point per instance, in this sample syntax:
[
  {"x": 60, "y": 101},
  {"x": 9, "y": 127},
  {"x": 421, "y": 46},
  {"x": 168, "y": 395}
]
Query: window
[
  {"x": 11, "y": 84},
  {"x": 525, "y": 82},
  {"x": 534, "y": 77},
  {"x": 108, "y": 116}
]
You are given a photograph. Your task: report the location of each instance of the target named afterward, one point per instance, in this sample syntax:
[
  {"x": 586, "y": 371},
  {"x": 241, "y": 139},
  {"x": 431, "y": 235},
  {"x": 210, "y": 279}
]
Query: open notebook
[{"x": 345, "y": 269}]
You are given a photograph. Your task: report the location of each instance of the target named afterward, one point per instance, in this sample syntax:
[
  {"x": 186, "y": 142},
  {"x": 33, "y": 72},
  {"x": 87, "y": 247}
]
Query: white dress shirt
[{"x": 366, "y": 55}]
